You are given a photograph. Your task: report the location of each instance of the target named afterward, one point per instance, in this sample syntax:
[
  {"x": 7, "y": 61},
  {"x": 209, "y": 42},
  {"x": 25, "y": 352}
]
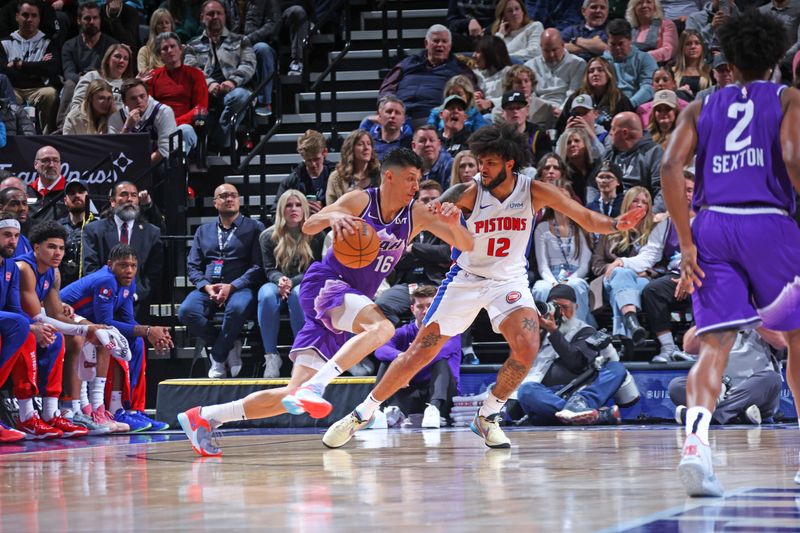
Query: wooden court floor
[{"x": 400, "y": 480}]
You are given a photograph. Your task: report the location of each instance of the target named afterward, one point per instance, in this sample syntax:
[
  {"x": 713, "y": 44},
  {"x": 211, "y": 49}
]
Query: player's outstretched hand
[
  {"x": 630, "y": 218},
  {"x": 450, "y": 213},
  {"x": 691, "y": 273},
  {"x": 341, "y": 222}
]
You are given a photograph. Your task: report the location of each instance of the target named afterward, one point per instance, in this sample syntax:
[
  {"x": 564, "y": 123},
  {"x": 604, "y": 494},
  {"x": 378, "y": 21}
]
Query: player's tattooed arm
[{"x": 454, "y": 193}]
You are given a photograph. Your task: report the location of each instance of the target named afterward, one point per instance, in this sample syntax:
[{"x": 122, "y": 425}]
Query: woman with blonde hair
[
  {"x": 91, "y": 118},
  {"x": 358, "y": 167},
  {"x": 465, "y": 166},
  {"x": 115, "y": 67},
  {"x": 521, "y": 34},
  {"x": 462, "y": 86},
  {"x": 625, "y": 260},
  {"x": 161, "y": 21},
  {"x": 652, "y": 33},
  {"x": 692, "y": 72},
  {"x": 286, "y": 253}
]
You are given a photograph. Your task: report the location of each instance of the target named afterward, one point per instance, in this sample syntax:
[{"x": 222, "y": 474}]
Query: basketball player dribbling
[
  {"x": 338, "y": 300},
  {"x": 741, "y": 256},
  {"x": 494, "y": 276}
]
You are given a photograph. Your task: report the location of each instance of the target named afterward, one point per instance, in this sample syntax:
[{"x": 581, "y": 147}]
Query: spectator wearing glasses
[{"x": 48, "y": 183}]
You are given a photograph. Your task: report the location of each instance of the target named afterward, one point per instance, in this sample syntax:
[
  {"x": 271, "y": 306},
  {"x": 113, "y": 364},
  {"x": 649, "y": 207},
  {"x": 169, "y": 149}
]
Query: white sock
[
  {"x": 49, "y": 408},
  {"x": 325, "y": 375},
  {"x": 65, "y": 406},
  {"x": 97, "y": 392},
  {"x": 224, "y": 412},
  {"x": 697, "y": 422},
  {"x": 368, "y": 407},
  {"x": 84, "y": 394},
  {"x": 116, "y": 401},
  {"x": 666, "y": 339},
  {"x": 25, "y": 409},
  {"x": 491, "y": 405},
  {"x": 76, "y": 406}
]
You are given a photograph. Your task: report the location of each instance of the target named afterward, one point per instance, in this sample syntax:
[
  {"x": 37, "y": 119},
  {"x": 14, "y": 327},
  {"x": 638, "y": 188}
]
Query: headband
[{"x": 10, "y": 223}]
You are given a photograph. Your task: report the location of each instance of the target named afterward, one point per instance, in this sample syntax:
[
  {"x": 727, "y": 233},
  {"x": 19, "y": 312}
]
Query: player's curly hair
[
  {"x": 503, "y": 141},
  {"x": 49, "y": 229},
  {"x": 754, "y": 42},
  {"x": 121, "y": 251}
]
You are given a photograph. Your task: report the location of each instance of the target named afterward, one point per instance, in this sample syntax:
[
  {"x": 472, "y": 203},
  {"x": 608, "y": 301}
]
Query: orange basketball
[{"x": 359, "y": 250}]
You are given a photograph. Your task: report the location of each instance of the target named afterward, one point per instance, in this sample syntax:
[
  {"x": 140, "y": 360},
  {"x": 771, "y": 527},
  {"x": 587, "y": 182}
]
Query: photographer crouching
[{"x": 576, "y": 370}]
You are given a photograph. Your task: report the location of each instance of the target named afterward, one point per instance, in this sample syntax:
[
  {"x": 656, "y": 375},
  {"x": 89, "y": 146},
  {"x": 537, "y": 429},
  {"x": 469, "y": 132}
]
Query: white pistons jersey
[{"x": 502, "y": 232}]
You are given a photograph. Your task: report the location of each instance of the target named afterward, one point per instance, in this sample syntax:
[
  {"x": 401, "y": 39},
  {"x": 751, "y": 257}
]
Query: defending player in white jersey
[{"x": 499, "y": 210}]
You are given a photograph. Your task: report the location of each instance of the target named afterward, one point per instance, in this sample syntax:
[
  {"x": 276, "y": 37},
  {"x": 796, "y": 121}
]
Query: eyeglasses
[
  {"x": 227, "y": 195},
  {"x": 49, "y": 160}
]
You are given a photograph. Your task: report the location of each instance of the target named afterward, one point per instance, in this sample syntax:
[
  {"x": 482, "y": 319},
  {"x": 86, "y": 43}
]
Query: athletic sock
[
  {"x": 224, "y": 412},
  {"x": 697, "y": 422},
  {"x": 324, "y": 376},
  {"x": 49, "y": 408},
  {"x": 368, "y": 407},
  {"x": 65, "y": 406},
  {"x": 76, "y": 406},
  {"x": 84, "y": 401},
  {"x": 116, "y": 401},
  {"x": 25, "y": 409},
  {"x": 97, "y": 391},
  {"x": 491, "y": 405},
  {"x": 666, "y": 339}
]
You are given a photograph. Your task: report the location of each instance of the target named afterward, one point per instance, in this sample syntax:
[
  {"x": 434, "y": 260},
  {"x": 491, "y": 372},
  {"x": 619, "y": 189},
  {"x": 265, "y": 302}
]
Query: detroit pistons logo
[{"x": 513, "y": 296}]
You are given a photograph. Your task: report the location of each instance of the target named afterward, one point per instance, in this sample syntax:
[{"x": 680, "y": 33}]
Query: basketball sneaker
[
  {"x": 431, "y": 418},
  {"x": 134, "y": 423},
  {"x": 489, "y": 429},
  {"x": 102, "y": 417},
  {"x": 696, "y": 469},
  {"x": 342, "y": 431},
  {"x": 307, "y": 399},
  {"x": 68, "y": 429},
  {"x": 87, "y": 422},
  {"x": 10, "y": 435},
  {"x": 199, "y": 431},
  {"x": 577, "y": 411},
  {"x": 155, "y": 425},
  {"x": 35, "y": 429}
]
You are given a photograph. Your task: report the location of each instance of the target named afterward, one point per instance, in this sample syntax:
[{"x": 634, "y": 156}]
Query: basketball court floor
[{"x": 575, "y": 480}]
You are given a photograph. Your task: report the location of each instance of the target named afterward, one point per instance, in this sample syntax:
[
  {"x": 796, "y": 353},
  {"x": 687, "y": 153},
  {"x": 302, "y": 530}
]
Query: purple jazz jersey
[
  {"x": 750, "y": 253},
  {"x": 326, "y": 283}
]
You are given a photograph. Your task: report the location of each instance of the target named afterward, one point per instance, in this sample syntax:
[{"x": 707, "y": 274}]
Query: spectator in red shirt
[{"x": 178, "y": 86}]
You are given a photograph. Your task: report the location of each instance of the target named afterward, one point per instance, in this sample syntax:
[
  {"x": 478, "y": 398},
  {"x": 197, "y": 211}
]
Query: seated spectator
[
  {"x": 188, "y": 19},
  {"x": 692, "y": 72},
  {"x": 583, "y": 115},
  {"x": 224, "y": 265},
  {"x": 181, "y": 88},
  {"x": 92, "y": 117},
  {"x": 558, "y": 14},
  {"x": 558, "y": 73},
  {"x": 468, "y": 20},
  {"x": 14, "y": 202},
  {"x": 229, "y": 64},
  {"x": 587, "y": 39},
  {"x": 295, "y": 20},
  {"x": 660, "y": 293},
  {"x": 15, "y": 119},
  {"x": 622, "y": 260},
  {"x": 454, "y": 134},
  {"x": 633, "y": 67},
  {"x": 419, "y": 79},
  {"x": 599, "y": 82},
  {"x": 32, "y": 63},
  {"x": 575, "y": 149},
  {"x": 491, "y": 58},
  {"x": 286, "y": 254},
  {"x": 49, "y": 182},
  {"x": 664, "y": 117},
  {"x": 358, "y": 167},
  {"x": 551, "y": 168},
  {"x": 722, "y": 74},
  {"x": 520, "y": 34},
  {"x": 608, "y": 178},
  {"x": 515, "y": 111},
  {"x": 82, "y": 53},
  {"x": 678, "y": 11},
  {"x": 311, "y": 176},
  {"x": 437, "y": 164},
  {"x": 121, "y": 22},
  {"x": 787, "y": 12},
  {"x": 437, "y": 382},
  {"x": 752, "y": 380},
  {"x": 564, "y": 355},
  {"x": 639, "y": 157},
  {"x": 148, "y": 58},
  {"x": 663, "y": 80},
  {"x": 115, "y": 68},
  {"x": 142, "y": 114},
  {"x": 461, "y": 86},
  {"x": 520, "y": 78},
  {"x": 128, "y": 222},
  {"x": 652, "y": 32},
  {"x": 76, "y": 200},
  {"x": 563, "y": 254},
  {"x": 390, "y": 130},
  {"x": 708, "y": 20},
  {"x": 465, "y": 166}
]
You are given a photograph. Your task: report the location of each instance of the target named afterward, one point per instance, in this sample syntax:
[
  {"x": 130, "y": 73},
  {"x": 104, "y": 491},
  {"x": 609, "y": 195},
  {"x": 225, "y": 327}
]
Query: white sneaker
[
  {"x": 217, "y": 370},
  {"x": 380, "y": 421},
  {"x": 394, "y": 416},
  {"x": 696, "y": 469},
  {"x": 753, "y": 415},
  {"x": 431, "y": 417},
  {"x": 234, "y": 360},
  {"x": 272, "y": 365},
  {"x": 489, "y": 429},
  {"x": 342, "y": 431}
]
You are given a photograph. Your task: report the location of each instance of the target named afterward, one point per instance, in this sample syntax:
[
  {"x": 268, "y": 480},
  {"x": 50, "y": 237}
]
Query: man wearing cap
[
  {"x": 634, "y": 68},
  {"x": 453, "y": 115},
  {"x": 76, "y": 199},
  {"x": 49, "y": 183},
  {"x": 564, "y": 356},
  {"x": 722, "y": 74},
  {"x": 515, "y": 111},
  {"x": 607, "y": 185},
  {"x": 558, "y": 73}
]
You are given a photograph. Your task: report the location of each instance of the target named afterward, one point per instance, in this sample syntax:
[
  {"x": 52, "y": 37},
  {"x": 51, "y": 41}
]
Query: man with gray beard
[{"x": 124, "y": 225}]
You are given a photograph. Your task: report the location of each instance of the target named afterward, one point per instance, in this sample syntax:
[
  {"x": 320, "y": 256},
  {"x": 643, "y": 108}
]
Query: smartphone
[{"x": 724, "y": 6}]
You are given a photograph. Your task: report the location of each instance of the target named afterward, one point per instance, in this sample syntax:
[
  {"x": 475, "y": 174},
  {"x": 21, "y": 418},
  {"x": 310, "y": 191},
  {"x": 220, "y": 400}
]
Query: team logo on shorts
[
  {"x": 513, "y": 296},
  {"x": 8, "y": 276}
]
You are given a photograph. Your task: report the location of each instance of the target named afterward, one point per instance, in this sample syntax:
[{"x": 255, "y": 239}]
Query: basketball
[{"x": 359, "y": 250}]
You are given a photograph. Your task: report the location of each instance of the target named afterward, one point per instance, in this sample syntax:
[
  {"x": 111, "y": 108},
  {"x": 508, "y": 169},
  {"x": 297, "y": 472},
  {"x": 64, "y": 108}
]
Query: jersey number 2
[
  {"x": 732, "y": 141},
  {"x": 498, "y": 247}
]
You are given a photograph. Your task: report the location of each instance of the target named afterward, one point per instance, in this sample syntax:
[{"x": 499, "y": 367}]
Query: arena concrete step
[
  {"x": 417, "y": 18},
  {"x": 373, "y": 39},
  {"x": 370, "y": 59},
  {"x": 306, "y": 102}
]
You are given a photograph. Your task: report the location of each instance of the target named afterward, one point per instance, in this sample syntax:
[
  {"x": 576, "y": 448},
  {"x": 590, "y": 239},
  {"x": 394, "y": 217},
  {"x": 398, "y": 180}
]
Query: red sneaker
[
  {"x": 35, "y": 428},
  {"x": 67, "y": 428},
  {"x": 10, "y": 435}
]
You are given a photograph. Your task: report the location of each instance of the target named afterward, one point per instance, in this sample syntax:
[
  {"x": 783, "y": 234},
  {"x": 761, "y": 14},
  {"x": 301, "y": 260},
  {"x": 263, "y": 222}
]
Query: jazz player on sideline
[
  {"x": 501, "y": 205},
  {"x": 741, "y": 256},
  {"x": 337, "y": 299}
]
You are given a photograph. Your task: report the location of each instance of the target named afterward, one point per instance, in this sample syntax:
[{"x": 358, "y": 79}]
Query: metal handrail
[
  {"x": 385, "y": 33},
  {"x": 234, "y": 154},
  {"x": 313, "y": 30}
]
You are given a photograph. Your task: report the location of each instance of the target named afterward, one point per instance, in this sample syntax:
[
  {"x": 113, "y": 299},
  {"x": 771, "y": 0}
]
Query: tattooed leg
[
  {"x": 521, "y": 331},
  {"x": 421, "y": 352}
]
